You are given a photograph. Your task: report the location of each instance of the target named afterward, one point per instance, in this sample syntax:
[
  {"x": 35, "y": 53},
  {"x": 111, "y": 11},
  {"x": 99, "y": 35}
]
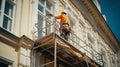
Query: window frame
[
  {"x": 10, "y": 17},
  {"x": 43, "y": 14},
  {"x": 6, "y": 61}
]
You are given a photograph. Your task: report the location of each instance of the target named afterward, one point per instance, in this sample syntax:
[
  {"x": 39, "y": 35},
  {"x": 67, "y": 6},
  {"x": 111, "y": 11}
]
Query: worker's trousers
[{"x": 63, "y": 33}]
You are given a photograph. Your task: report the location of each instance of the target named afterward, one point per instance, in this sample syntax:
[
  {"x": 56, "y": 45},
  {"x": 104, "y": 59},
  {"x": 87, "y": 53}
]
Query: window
[
  {"x": 47, "y": 12},
  {"x": 40, "y": 8},
  {"x": 44, "y": 8},
  {"x": 40, "y": 25},
  {"x": 104, "y": 58},
  {"x": 7, "y": 23},
  {"x": 42, "y": 1},
  {"x": 113, "y": 61},
  {"x": 0, "y": 4},
  {"x": 48, "y": 5},
  {"x": 8, "y": 9},
  {"x": 47, "y": 27},
  {"x": 4, "y": 62},
  {"x": 90, "y": 40},
  {"x": 0, "y": 7},
  {"x": 48, "y": 23},
  {"x": 7, "y": 14}
]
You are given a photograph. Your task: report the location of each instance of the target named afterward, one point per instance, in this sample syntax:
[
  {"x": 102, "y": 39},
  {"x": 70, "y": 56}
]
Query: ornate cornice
[{"x": 99, "y": 21}]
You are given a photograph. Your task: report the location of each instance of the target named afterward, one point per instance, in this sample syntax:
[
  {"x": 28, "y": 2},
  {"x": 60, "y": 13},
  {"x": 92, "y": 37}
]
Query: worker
[{"x": 65, "y": 27}]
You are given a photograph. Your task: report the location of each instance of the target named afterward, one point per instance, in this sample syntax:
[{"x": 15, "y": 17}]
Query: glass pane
[
  {"x": 7, "y": 23},
  {"x": 40, "y": 25},
  {"x": 40, "y": 8},
  {"x": 0, "y": 4},
  {"x": 42, "y": 1},
  {"x": 48, "y": 5},
  {"x": 2, "y": 64},
  {"x": 8, "y": 9},
  {"x": 47, "y": 27},
  {"x": 47, "y": 13}
]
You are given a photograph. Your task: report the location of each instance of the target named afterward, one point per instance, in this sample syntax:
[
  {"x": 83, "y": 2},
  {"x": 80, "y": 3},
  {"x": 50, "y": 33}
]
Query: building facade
[{"x": 24, "y": 22}]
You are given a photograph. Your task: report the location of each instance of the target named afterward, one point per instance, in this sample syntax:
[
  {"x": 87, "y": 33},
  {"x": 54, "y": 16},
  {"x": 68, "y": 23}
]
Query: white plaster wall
[
  {"x": 8, "y": 52},
  {"x": 25, "y": 56},
  {"x": 34, "y": 15},
  {"x": 23, "y": 19},
  {"x": 17, "y": 18}
]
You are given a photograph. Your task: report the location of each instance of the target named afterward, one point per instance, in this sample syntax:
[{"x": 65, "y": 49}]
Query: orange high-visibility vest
[{"x": 63, "y": 19}]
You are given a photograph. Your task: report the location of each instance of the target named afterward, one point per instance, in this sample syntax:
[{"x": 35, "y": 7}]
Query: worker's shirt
[{"x": 63, "y": 19}]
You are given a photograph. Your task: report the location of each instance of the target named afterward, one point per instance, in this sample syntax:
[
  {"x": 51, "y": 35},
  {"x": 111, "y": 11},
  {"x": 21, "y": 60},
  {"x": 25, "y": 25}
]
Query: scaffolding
[{"x": 61, "y": 53}]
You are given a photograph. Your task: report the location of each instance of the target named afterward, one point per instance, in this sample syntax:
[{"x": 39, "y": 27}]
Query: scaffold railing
[{"x": 49, "y": 25}]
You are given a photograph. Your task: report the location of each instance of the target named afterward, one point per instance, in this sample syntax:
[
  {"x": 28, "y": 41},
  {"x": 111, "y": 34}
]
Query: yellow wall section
[{"x": 8, "y": 52}]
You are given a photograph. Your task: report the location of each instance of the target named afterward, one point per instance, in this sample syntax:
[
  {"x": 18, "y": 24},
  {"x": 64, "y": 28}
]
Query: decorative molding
[
  {"x": 14, "y": 41},
  {"x": 6, "y": 61}
]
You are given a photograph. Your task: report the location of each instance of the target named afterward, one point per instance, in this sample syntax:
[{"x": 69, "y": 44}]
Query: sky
[{"x": 111, "y": 9}]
